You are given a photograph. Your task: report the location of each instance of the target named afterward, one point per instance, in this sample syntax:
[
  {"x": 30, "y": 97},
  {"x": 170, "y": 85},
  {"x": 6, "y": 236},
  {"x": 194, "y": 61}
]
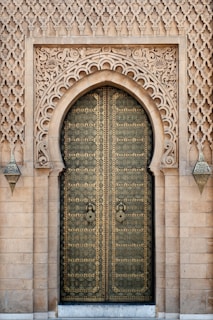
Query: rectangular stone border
[{"x": 180, "y": 41}]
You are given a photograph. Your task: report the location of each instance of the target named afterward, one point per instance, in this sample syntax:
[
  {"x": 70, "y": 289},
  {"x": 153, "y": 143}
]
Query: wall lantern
[
  {"x": 201, "y": 172},
  {"x": 12, "y": 172}
]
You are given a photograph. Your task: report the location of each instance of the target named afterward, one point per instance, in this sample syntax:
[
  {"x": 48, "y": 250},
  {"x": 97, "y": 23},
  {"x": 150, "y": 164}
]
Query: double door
[{"x": 106, "y": 200}]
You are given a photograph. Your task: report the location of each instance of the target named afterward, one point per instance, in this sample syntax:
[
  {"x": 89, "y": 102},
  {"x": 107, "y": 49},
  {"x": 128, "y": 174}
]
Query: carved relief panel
[
  {"x": 153, "y": 68},
  {"x": 110, "y": 18}
]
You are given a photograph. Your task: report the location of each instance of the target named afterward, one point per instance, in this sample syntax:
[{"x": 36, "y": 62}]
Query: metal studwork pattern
[
  {"x": 131, "y": 236},
  {"x": 109, "y": 170},
  {"x": 81, "y": 263}
]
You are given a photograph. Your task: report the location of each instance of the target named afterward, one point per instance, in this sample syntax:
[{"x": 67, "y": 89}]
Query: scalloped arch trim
[{"x": 152, "y": 70}]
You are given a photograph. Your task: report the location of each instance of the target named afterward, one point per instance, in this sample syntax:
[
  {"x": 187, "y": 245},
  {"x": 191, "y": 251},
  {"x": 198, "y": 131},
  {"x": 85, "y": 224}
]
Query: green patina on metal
[{"x": 107, "y": 200}]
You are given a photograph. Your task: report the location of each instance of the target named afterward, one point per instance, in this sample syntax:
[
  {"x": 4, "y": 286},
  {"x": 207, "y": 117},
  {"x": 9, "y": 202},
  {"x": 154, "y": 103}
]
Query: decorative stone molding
[
  {"x": 154, "y": 68},
  {"x": 108, "y": 18}
]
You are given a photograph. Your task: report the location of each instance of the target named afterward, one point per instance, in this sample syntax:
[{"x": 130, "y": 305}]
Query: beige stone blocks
[
  {"x": 30, "y": 218},
  {"x": 209, "y": 301},
  {"x": 29, "y": 246},
  {"x": 193, "y": 245},
  {"x": 193, "y": 219},
  {"x": 16, "y": 271},
  {"x": 196, "y": 300},
  {"x": 21, "y": 284},
  {"x": 209, "y": 246},
  {"x": 53, "y": 298},
  {"x": 194, "y": 271},
  {"x": 196, "y": 212},
  {"x": 209, "y": 219},
  {"x": 16, "y": 301},
  {"x": 40, "y": 303},
  {"x": 198, "y": 284},
  {"x": 40, "y": 257},
  {"x": 40, "y": 271},
  {"x": 172, "y": 300},
  {"x": 16, "y": 247},
  {"x": 40, "y": 252},
  {"x": 172, "y": 257},
  {"x": 160, "y": 298},
  {"x": 196, "y": 258},
  {"x": 172, "y": 244},
  {"x": 7, "y": 258}
]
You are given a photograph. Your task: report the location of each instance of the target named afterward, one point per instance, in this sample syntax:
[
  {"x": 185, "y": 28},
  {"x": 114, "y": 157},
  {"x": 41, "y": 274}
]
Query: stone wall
[{"x": 49, "y": 45}]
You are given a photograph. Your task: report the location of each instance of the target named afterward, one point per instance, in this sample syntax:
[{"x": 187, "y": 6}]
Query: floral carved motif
[
  {"x": 110, "y": 18},
  {"x": 155, "y": 69}
]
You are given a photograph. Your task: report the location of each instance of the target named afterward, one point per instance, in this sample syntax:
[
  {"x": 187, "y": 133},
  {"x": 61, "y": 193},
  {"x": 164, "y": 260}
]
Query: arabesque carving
[
  {"x": 52, "y": 18},
  {"x": 155, "y": 69}
]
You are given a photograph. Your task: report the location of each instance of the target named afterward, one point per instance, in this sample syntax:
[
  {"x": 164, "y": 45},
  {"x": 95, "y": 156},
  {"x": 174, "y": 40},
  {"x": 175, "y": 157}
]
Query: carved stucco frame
[
  {"x": 49, "y": 176},
  {"x": 105, "y": 77},
  {"x": 151, "y": 67}
]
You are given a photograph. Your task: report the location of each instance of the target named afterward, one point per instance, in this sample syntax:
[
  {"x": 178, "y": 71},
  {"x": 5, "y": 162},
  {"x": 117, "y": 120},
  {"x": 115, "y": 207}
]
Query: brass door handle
[
  {"x": 120, "y": 214},
  {"x": 90, "y": 215}
]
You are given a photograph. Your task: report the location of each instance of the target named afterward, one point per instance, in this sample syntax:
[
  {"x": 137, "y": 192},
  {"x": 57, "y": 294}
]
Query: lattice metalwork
[{"x": 106, "y": 196}]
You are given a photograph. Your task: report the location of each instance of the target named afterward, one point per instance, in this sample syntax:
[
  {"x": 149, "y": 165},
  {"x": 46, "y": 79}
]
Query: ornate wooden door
[{"x": 106, "y": 200}]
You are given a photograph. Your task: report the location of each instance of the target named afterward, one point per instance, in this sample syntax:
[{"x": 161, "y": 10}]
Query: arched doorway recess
[
  {"x": 107, "y": 216},
  {"x": 112, "y": 78},
  {"x": 84, "y": 85}
]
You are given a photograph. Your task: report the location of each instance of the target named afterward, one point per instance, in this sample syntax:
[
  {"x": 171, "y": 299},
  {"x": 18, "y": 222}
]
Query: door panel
[
  {"x": 81, "y": 241},
  {"x": 129, "y": 237},
  {"x": 106, "y": 200}
]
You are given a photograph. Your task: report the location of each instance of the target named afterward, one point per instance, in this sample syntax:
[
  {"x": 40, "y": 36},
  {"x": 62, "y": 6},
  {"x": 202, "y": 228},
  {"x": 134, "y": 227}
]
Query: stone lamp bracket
[
  {"x": 12, "y": 173},
  {"x": 201, "y": 172}
]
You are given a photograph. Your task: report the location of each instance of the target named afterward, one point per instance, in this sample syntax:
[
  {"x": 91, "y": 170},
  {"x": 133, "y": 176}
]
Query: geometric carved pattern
[
  {"x": 57, "y": 69},
  {"x": 200, "y": 52},
  {"x": 12, "y": 74},
  {"x": 37, "y": 18}
]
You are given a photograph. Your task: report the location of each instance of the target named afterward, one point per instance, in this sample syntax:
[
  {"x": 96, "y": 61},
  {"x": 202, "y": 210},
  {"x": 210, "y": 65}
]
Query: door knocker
[
  {"x": 120, "y": 214},
  {"x": 90, "y": 215}
]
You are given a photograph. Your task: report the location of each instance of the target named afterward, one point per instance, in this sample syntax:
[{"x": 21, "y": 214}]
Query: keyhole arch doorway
[
  {"x": 98, "y": 79},
  {"x": 106, "y": 78},
  {"x": 107, "y": 214}
]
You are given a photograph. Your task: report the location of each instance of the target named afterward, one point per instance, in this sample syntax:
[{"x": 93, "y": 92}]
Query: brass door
[{"x": 106, "y": 200}]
